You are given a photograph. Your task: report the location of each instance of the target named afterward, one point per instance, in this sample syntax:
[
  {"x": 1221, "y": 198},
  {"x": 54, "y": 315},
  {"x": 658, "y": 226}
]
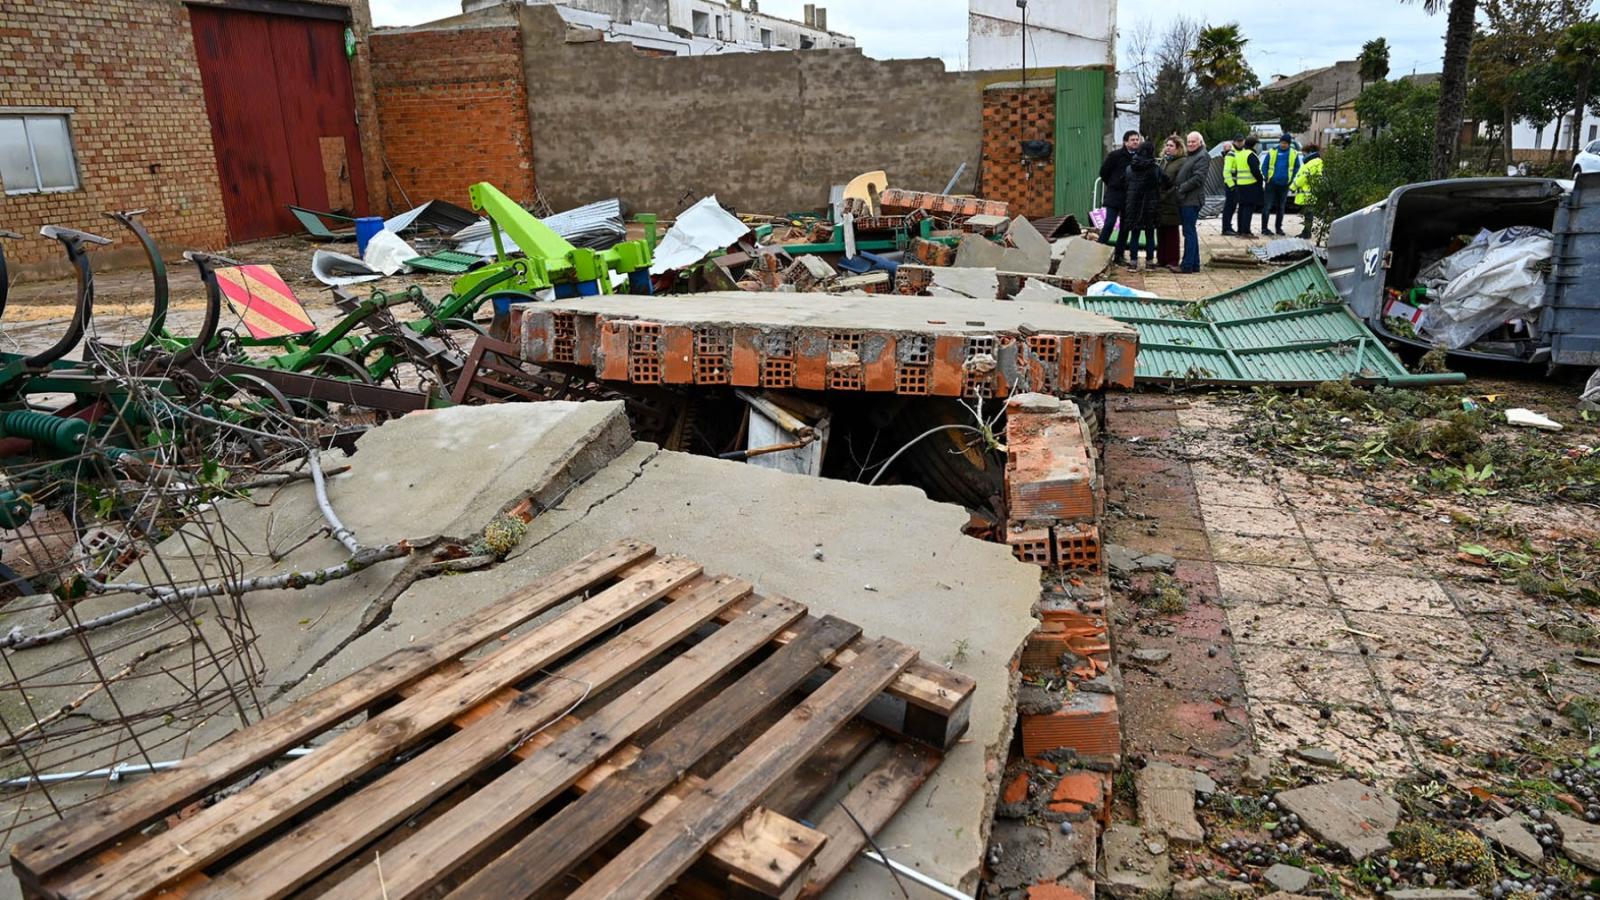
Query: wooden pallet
[{"x": 668, "y": 731}]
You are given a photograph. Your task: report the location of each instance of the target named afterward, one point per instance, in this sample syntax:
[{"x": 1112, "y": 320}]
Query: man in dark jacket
[
  {"x": 1191, "y": 190},
  {"x": 1114, "y": 174}
]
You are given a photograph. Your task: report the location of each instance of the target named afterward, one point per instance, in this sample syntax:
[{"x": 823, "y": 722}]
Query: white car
[{"x": 1588, "y": 160}]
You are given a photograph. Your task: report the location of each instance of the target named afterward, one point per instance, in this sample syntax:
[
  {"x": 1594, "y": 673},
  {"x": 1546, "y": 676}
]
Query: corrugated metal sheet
[
  {"x": 1238, "y": 338},
  {"x": 1080, "y": 144}
]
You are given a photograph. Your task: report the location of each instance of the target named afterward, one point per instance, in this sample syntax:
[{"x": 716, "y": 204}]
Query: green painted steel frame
[{"x": 1238, "y": 338}]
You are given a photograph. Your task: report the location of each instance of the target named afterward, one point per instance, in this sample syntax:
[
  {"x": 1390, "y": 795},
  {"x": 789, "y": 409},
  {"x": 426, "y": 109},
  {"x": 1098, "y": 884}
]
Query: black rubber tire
[{"x": 973, "y": 477}]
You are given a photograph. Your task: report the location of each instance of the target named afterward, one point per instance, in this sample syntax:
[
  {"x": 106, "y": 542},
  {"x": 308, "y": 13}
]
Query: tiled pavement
[
  {"x": 1210, "y": 280},
  {"x": 1314, "y": 617}
]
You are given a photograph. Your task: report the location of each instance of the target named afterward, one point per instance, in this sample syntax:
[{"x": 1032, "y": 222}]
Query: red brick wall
[
  {"x": 126, "y": 69},
  {"x": 453, "y": 108},
  {"x": 1010, "y": 116}
]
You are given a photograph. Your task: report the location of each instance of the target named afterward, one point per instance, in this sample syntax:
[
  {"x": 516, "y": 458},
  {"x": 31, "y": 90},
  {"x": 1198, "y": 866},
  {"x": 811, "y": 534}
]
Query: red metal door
[{"x": 283, "y": 121}]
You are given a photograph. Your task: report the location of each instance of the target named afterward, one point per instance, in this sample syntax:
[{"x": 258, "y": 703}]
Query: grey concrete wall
[{"x": 765, "y": 132}]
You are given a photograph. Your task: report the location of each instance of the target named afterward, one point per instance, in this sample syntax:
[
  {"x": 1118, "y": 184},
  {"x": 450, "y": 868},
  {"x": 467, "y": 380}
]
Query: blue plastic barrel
[{"x": 366, "y": 227}]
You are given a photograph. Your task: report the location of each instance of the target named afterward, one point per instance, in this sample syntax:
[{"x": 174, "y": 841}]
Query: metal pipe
[
  {"x": 938, "y": 887},
  {"x": 114, "y": 773},
  {"x": 785, "y": 419}
]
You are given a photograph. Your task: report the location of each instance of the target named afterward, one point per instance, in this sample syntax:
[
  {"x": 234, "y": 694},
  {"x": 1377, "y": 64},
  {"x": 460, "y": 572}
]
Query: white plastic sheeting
[
  {"x": 700, "y": 229},
  {"x": 1495, "y": 279}
]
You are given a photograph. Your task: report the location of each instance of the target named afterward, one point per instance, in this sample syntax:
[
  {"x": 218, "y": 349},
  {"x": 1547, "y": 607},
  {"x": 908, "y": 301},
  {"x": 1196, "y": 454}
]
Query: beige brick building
[{"x": 104, "y": 105}]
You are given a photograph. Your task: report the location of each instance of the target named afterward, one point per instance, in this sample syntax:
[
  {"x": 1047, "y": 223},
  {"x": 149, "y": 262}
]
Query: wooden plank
[
  {"x": 934, "y": 704},
  {"x": 873, "y": 802},
  {"x": 661, "y": 854},
  {"x": 803, "y": 790},
  {"x": 419, "y": 863},
  {"x": 540, "y": 859},
  {"x": 77, "y": 836},
  {"x": 292, "y": 860},
  {"x": 197, "y": 842}
]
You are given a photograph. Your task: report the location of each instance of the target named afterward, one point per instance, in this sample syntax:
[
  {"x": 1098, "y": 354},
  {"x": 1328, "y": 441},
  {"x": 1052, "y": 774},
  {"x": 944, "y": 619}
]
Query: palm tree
[
  {"x": 1577, "y": 50},
  {"x": 1374, "y": 61},
  {"x": 1218, "y": 60},
  {"x": 1453, "y": 82}
]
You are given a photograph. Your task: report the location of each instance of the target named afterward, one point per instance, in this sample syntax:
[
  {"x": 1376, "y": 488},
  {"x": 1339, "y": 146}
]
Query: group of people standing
[
  {"x": 1263, "y": 182},
  {"x": 1149, "y": 199}
]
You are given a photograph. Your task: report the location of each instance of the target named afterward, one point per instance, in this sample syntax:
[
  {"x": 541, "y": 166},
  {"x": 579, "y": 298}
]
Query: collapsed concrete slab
[
  {"x": 414, "y": 479},
  {"x": 938, "y": 346},
  {"x": 886, "y": 558}
]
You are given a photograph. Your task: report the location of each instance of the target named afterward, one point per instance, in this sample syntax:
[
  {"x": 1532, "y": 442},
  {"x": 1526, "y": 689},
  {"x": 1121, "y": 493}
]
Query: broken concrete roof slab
[
  {"x": 446, "y": 473},
  {"x": 939, "y": 346},
  {"x": 887, "y": 558}
]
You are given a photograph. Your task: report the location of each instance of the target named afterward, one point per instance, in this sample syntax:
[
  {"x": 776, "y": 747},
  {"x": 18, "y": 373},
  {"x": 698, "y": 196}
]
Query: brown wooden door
[{"x": 283, "y": 117}]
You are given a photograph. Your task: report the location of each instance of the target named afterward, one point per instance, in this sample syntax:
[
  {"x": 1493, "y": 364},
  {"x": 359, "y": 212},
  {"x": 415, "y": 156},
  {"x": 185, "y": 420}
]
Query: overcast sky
[{"x": 1285, "y": 37}]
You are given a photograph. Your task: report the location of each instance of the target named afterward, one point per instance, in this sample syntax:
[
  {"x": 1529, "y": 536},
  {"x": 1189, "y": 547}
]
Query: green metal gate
[{"x": 1080, "y": 139}]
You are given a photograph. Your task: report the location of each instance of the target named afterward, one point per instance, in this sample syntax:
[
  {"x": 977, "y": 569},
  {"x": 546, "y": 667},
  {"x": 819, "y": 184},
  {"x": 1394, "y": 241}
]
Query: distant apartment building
[
  {"x": 693, "y": 27},
  {"x": 1059, "y": 33}
]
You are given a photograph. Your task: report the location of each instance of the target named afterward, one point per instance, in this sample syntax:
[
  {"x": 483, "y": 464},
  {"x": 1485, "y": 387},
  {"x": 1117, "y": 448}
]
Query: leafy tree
[
  {"x": 1577, "y": 50},
  {"x": 1287, "y": 106},
  {"x": 1545, "y": 92},
  {"x": 1371, "y": 166},
  {"x": 1218, "y": 61},
  {"x": 1458, "y": 36},
  {"x": 1374, "y": 61},
  {"x": 1222, "y": 127},
  {"x": 1384, "y": 103},
  {"x": 1507, "y": 57}
]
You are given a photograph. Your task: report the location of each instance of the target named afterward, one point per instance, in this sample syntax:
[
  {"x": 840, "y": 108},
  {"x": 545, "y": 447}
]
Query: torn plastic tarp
[
  {"x": 386, "y": 255},
  {"x": 1498, "y": 278},
  {"x": 339, "y": 270},
  {"x": 702, "y": 228}
]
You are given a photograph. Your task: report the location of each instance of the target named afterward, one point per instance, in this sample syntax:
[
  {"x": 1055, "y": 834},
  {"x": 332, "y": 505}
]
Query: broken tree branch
[{"x": 360, "y": 558}]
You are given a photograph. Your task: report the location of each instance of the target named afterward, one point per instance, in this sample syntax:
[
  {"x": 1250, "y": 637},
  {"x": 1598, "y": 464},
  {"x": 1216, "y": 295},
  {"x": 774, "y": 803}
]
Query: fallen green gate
[{"x": 1289, "y": 328}]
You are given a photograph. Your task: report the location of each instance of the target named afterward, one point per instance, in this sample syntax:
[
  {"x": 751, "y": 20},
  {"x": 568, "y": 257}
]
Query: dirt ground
[{"x": 35, "y": 309}]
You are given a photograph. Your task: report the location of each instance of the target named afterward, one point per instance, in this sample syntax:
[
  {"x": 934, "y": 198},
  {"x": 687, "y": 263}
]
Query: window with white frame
[{"x": 36, "y": 152}]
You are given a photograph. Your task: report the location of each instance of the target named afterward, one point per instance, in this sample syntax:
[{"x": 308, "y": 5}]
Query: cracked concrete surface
[
  {"x": 412, "y": 479},
  {"x": 892, "y": 561}
]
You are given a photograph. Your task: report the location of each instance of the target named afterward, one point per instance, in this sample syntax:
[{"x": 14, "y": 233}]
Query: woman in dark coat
[
  {"x": 1141, "y": 210},
  {"x": 1167, "y": 249}
]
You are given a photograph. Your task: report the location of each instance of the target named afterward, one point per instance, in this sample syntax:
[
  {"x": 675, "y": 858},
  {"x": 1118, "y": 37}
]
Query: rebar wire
[{"x": 118, "y": 696}]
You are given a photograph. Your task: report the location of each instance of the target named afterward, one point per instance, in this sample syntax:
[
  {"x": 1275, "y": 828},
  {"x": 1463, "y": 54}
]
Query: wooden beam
[
  {"x": 47, "y": 851},
  {"x": 660, "y": 855},
  {"x": 419, "y": 863},
  {"x": 293, "y": 860},
  {"x": 873, "y": 802},
  {"x": 197, "y": 842},
  {"x": 539, "y": 860}
]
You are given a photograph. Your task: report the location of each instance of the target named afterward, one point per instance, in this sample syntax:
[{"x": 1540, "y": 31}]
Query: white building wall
[
  {"x": 1060, "y": 33},
  {"x": 1530, "y": 136}
]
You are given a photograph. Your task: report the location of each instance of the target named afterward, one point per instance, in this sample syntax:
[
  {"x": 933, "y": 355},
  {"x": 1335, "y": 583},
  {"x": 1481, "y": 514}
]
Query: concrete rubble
[{"x": 1352, "y": 816}]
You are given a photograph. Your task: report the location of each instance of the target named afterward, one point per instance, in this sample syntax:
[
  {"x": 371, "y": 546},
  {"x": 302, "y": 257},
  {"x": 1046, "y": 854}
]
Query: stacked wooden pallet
[{"x": 667, "y": 730}]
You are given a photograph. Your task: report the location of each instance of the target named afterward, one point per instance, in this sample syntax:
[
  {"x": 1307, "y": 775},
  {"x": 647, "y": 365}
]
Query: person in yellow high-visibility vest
[
  {"x": 1310, "y": 172},
  {"x": 1230, "y": 193},
  {"x": 1246, "y": 184}
]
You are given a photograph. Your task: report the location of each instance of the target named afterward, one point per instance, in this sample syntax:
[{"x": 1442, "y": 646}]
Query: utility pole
[{"x": 1023, "y": 5}]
